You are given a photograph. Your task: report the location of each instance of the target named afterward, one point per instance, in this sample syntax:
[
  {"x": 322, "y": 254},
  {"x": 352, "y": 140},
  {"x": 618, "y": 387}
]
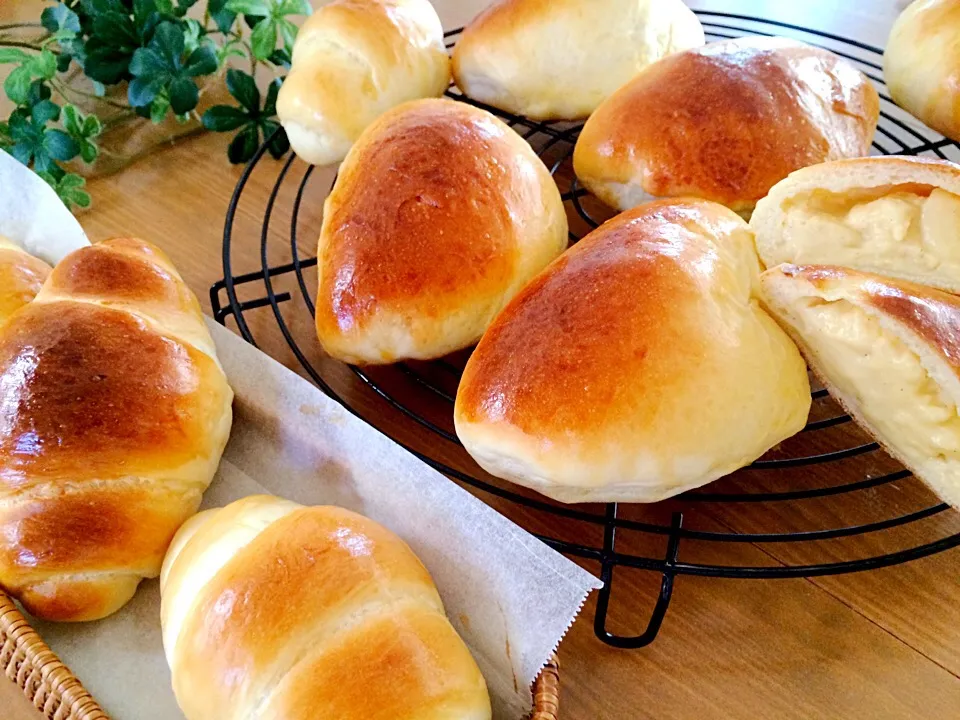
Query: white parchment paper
[{"x": 510, "y": 596}]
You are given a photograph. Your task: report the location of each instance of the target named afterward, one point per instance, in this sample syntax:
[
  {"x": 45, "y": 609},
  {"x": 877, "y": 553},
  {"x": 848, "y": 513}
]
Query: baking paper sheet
[{"x": 510, "y": 596}]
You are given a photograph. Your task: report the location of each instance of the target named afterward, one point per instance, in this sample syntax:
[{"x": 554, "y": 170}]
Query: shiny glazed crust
[
  {"x": 21, "y": 276},
  {"x": 353, "y": 60},
  {"x": 726, "y": 122},
  {"x": 440, "y": 214},
  {"x": 287, "y": 609},
  {"x": 114, "y": 413},
  {"x": 559, "y": 59},
  {"x": 619, "y": 372}
]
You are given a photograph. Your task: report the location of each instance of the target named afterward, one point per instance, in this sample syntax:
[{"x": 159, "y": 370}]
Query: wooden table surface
[{"x": 883, "y": 645}]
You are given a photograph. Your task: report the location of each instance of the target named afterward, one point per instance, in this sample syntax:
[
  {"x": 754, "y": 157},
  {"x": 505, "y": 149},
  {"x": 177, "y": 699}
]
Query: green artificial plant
[{"x": 158, "y": 52}]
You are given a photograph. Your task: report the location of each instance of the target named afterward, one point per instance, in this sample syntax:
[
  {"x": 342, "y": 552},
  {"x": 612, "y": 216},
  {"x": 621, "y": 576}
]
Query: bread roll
[
  {"x": 352, "y": 61},
  {"x": 637, "y": 366},
  {"x": 275, "y": 610},
  {"x": 921, "y": 60},
  {"x": 889, "y": 352},
  {"x": 439, "y": 215},
  {"x": 896, "y": 216},
  {"x": 559, "y": 59},
  {"x": 725, "y": 122},
  {"x": 113, "y": 415},
  {"x": 21, "y": 276}
]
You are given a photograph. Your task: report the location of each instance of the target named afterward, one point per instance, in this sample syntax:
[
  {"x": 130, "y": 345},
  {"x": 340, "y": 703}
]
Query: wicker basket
[{"x": 58, "y": 695}]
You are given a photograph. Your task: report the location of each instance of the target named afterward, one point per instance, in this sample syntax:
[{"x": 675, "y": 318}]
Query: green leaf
[
  {"x": 88, "y": 151},
  {"x": 106, "y": 64},
  {"x": 60, "y": 17},
  {"x": 281, "y": 58},
  {"x": 22, "y": 153},
  {"x": 221, "y": 16},
  {"x": 263, "y": 39},
  {"x": 159, "y": 108},
  {"x": 295, "y": 7},
  {"x": 72, "y": 122},
  {"x": 69, "y": 187},
  {"x": 259, "y": 8},
  {"x": 169, "y": 40},
  {"x": 184, "y": 95},
  {"x": 92, "y": 127},
  {"x": 279, "y": 144},
  {"x": 288, "y": 31},
  {"x": 116, "y": 29},
  {"x": 44, "y": 65},
  {"x": 63, "y": 62},
  {"x": 60, "y": 146},
  {"x": 191, "y": 36},
  {"x": 43, "y": 163},
  {"x": 99, "y": 89},
  {"x": 202, "y": 61},
  {"x": 244, "y": 145},
  {"x": 148, "y": 62},
  {"x": 223, "y": 118},
  {"x": 17, "y": 85},
  {"x": 270, "y": 106},
  {"x": 142, "y": 91},
  {"x": 13, "y": 55},
  {"x": 244, "y": 88},
  {"x": 44, "y": 112},
  {"x": 38, "y": 91},
  {"x": 233, "y": 48},
  {"x": 165, "y": 6}
]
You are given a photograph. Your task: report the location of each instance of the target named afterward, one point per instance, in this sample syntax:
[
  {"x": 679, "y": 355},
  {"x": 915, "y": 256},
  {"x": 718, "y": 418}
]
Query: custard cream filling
[
  {"x": 885, "y": 378},
  {"x": 903, "y": 230}
]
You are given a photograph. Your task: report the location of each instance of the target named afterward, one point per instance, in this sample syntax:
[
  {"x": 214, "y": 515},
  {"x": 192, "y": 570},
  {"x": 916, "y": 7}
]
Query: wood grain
[{"x": 872, "y": 646}]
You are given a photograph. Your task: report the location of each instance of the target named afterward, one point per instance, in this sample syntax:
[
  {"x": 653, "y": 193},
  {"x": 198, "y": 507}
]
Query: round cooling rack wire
[{"x": 897, "y": 133}]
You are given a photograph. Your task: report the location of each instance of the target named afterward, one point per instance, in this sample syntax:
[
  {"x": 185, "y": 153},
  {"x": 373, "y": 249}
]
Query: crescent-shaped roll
[
  {"x": 636, "y": 366},
  {"x": 889, "y": 352},
  {"x": 352, "y": 61},
  {"x": 21, "y": 276},
  {"x": 895, "y": 216},
  {"x": 725, "y": 122},
  {"x": 275, "y": 610},
  {"x": 921, "y": 60},
  {"x": 114, "y": 412},
  {"x": 559, "y": 59},
  {"x": 439, "y": 215}
]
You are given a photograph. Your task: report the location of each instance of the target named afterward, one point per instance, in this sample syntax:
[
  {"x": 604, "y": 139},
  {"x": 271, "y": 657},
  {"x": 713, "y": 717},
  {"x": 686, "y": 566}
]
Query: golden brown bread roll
[
  {"x": 896, "y": 216},
  {"x": 284, "y": 611},
  {"x": 921, "y": 60},
  {"x": 559, "y": 59},
  {"x": 439, "y": 215},
  {"x": 21, "y": 276},
  {"x": 725, "y": 122},
  {"x": 353, "y": 60},
  {"x": 889, "y": 352},
  {"x": 114, "y": 413},
  {"x": 637, "y": 365}
]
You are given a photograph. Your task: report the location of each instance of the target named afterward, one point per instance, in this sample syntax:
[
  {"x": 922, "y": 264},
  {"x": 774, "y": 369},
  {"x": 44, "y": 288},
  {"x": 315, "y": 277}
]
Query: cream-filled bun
[
  {"x": 894, "y": 216},
  {"x": 889, "y": 352}
]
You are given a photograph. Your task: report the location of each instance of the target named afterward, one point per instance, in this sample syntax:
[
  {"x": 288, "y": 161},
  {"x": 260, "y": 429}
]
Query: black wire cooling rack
[{"x": 896, "y": 520}]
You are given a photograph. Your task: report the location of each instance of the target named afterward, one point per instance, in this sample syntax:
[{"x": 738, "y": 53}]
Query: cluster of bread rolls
[
  {"x": 114, "y": 413},
  {"x": 643, "y": 362}
]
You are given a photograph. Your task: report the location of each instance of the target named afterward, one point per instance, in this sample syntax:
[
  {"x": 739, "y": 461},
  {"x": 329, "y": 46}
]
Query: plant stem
[
  {"x": 67, "y": 90},
  {"x": 18, "y": 44},
  {"x": 19, "y": 26}
]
